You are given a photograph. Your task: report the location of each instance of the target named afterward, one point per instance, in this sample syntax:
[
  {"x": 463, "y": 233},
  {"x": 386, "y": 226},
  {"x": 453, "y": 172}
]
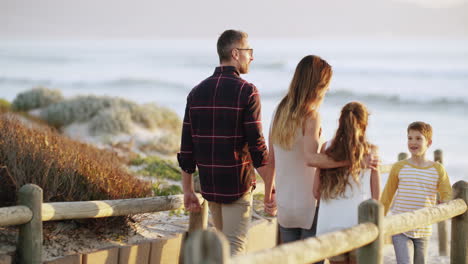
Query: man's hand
[
  {"x": 191, "y": 202},
  {"x": 270, "y": 205}
]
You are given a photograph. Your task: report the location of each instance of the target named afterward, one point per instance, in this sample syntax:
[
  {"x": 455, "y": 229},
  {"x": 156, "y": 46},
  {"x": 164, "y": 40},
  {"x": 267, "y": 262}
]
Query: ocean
[{"x": 400, "y": 80}]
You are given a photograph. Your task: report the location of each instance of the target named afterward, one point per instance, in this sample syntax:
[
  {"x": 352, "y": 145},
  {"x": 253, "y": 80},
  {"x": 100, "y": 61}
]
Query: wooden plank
[
  {"x": 166, "y": 251},
  {"x": 396, "y": 224},
  {"x": 105, "y": 256},
  {"x": 135, "y": 254},
  {"x": 314, "y": 249},
  {"x": 107, "y": 208},
  {"x": 15, "y": 215},
  {"x": 459, "y": 247}
]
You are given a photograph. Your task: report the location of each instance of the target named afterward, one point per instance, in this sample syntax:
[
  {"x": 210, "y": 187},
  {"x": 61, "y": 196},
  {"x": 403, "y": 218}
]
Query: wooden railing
[
  {"x": 31, "y": 212},
  {"x": 205, "y": 246}
]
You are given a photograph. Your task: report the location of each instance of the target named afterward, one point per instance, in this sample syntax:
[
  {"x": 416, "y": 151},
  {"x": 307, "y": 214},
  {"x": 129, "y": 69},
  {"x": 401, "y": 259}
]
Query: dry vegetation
[{"x": 65, "y": 169}]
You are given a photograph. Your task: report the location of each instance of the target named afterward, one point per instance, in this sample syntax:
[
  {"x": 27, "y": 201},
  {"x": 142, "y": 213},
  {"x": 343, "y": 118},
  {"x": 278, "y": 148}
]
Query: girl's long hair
[
  {"x": 307, "y": 88},
  {"x": 349, "y": 144}
]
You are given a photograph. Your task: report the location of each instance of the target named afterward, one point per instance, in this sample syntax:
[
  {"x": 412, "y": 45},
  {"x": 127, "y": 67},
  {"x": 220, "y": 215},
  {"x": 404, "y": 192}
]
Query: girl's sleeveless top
[{"x": 342, "y": 212}]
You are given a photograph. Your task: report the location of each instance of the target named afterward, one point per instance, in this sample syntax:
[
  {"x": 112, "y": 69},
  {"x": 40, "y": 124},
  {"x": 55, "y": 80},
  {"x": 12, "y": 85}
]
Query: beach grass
[
  {"x": 157, "y": 167},
  {"x": 65, "y": 169}
]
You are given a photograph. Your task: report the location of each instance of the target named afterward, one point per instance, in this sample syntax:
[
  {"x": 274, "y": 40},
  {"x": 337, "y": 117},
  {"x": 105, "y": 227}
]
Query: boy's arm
[
  {"x": 445, "y": 189},
  {"x": 390, "y": 187}
]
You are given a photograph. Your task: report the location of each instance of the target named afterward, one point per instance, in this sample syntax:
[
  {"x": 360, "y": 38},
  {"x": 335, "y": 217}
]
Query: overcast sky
[{"x": 153, "y": 19}]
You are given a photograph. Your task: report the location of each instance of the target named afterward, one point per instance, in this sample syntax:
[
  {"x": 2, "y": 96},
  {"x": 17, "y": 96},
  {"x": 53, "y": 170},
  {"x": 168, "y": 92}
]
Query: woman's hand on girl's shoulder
[{"x": 372, "y": 161}]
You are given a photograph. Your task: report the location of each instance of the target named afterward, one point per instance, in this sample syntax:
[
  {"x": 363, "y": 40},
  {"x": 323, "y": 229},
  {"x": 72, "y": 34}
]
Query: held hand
[
  {"x": 372, "y": 162},
  {"x": 270, "y": 205},
  {"x": 191, "y": 202}
]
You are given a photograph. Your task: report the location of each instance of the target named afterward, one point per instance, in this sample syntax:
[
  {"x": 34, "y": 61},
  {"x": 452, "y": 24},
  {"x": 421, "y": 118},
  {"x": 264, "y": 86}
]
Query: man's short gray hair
[{"x": 226, "y": 43}]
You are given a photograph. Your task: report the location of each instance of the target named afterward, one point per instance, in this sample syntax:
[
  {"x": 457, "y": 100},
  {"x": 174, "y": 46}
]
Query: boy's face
[{"x": 417, "y": 143}]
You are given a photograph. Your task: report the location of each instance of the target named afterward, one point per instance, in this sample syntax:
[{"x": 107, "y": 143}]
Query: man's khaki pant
[{"x": 233, "y": 220}]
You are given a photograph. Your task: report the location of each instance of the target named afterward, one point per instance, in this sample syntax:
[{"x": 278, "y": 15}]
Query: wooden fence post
[
  {"x": 459, "y": 244},
  {"x": 402, "y": 156},
  {"x": 372, "y": 211},
  {"x": 442, "y": 229},
  {"x": 207, "y": 247},
  {"x": 30, "y": 234}
]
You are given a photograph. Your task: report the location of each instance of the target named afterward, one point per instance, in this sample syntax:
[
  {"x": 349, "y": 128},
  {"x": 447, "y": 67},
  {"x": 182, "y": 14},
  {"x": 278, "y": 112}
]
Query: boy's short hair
[{"x": 423, "y": 128}]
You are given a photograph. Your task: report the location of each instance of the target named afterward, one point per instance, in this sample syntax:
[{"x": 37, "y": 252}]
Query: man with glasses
[{"x": 222, "y": 136}]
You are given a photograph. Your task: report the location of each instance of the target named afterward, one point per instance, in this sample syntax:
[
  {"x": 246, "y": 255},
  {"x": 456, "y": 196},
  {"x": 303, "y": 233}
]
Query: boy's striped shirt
[{"x": 416, "y": 188}]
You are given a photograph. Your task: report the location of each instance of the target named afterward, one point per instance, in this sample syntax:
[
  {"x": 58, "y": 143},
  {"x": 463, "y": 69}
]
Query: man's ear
[
  {"x": 235, "y": 54},
  {"x": 429, "y": 143}
]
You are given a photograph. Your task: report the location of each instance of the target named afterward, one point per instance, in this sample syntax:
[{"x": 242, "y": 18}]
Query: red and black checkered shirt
[{"x": 222, "y": 135}]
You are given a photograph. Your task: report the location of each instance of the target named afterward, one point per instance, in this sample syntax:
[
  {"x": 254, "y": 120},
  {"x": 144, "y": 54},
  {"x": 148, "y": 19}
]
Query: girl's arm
[
  {"x": 312, "y": 144},
  {"x": 375, "y": 184},
  {"x": 375, "y": 177}
]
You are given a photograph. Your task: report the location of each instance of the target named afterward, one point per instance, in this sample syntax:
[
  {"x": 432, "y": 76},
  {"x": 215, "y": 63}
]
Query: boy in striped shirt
[{"x": 416, "y": 182}]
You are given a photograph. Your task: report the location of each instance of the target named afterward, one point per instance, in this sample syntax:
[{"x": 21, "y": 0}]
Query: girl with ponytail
[{"x": 342, "y": 189}]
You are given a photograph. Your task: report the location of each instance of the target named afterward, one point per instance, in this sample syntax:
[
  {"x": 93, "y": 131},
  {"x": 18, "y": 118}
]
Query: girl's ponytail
[{"x": 348, "y": 144}]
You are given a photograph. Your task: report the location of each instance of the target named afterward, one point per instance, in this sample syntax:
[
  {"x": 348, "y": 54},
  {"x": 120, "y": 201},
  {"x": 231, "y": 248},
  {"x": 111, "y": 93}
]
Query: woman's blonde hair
[
  {"x": 307, "y": 88},
  {"x": 349, "y": 144}
]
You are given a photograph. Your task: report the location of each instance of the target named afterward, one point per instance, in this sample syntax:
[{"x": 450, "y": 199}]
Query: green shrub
[
  {"x": 153, "y": 116},
  {"x": 167, "y": 144},
  {"x": 164, "y": 190},
  {"x": 66, "y": 170},
  {"x": 111, "y": 121},
  {"x": 36, "y": 98},
  {"x": 77, "y": 109},
  {"x": 86, "y": 108},
  {"x": 159, "y": 168},
  {"x": 4, "y": 105}
]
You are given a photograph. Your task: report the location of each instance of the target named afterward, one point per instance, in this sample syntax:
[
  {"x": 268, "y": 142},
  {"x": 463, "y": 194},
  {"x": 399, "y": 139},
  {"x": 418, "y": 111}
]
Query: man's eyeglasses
[{"x": 249, "y": 50}]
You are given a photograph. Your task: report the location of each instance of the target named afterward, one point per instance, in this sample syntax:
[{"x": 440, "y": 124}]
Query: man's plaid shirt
[{"x": 222, "y": 135}]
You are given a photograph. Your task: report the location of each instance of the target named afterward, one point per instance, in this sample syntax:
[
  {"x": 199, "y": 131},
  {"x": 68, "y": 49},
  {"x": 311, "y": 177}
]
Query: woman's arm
[
  {"x": 312, "y": 144},
  {"x": 268, "y": 174},
  {"x": 316, "y": 188}
]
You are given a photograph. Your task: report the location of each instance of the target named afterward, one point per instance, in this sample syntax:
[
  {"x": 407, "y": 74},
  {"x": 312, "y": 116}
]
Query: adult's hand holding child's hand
[
  {"x": 270, "y": 205},
  {"x": 191, "y": 202}
]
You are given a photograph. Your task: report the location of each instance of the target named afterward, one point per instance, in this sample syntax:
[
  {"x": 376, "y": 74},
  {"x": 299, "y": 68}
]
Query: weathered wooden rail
[
  {"x": 367, "y": 237},
  {"x": 31, "y": 212}
]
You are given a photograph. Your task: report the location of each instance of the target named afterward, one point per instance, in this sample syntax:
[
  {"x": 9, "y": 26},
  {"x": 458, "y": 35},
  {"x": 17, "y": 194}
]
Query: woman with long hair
[
  {"x": 342, "y": 189},
  {"x": 294, "y": 143}
]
